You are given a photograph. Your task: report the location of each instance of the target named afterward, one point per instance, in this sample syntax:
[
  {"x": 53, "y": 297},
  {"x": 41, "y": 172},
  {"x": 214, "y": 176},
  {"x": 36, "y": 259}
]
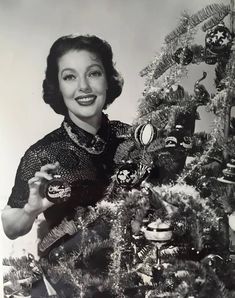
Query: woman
[{"x": 80, "y": 82}]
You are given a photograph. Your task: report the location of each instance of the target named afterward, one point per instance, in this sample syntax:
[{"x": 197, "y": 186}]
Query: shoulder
[
  {"x": 120, "y": 129},
  {"x": 39, "y": 152},
  {"x": 52, "y": 137}
]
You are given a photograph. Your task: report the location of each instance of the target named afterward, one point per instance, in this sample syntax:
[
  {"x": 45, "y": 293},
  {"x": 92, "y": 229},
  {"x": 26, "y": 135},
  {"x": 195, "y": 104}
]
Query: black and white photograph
[{"x": 117, "y": 149}]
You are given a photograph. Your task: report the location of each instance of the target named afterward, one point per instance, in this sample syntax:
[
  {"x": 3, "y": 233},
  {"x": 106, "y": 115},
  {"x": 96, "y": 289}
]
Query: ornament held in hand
[{"x": 56, "y": 190}]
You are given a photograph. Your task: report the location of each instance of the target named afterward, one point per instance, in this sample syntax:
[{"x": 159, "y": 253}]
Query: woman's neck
[{"x": 90, "y": 125}]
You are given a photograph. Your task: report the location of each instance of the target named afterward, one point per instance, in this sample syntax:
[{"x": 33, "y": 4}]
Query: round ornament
[
  {"x": 204, "y": 186},
  {"x": 218, "y": 39},
  {"x": 187, "y": 142},
  {"x": 229, "y": 173},
  {"x": 173, "y": 94},
  {"x": 180, "y": 227},
  {"x": 157, "y": 273},
  {"x": 144, "y": 134},
  {"x": 231, "y": 221},
  {"x": 131, "y": 174},
  {"x": 56, "y": 190},
  {"x": 56, "y": 254},
  {"x": 214, "y": 261},
  {"x": 209, "y": 57},
  {"x": 183, "y": 56},
  {"x": 176, "y": 138}
]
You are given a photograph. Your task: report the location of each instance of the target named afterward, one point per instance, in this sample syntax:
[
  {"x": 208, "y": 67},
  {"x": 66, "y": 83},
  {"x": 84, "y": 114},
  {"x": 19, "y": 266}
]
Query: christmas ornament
[
  {"x": 198, "y": 53},
  {"x": 229, "y": 173},
  {"x": 177, "y": 138},
  {"x": 218, "y": 39},
  {"x": 173, "y": 94},
  {"x": 158, "y": 231},
  {"x": 201, "y": 94},
  {"x": 157, "y": 273},
  {"x": 35, "y": 267},
  {"x": 232, "y": 126},
  {"x": 204, "y": 186},
  {"x": 56, "y": 254},
  {"x": 56, "y": 190},
  {"x": 209, "y": 57},
  {"x": 231, "y": 221},
  {"x": 215, "y": 262},
  {"x": 144, "y": 134},
  {"x": 183, "y": 56},
  {"x": 131, "y": 174},
  {"x": 187, "y": 142},
  {"x": 180, "y": 227}
]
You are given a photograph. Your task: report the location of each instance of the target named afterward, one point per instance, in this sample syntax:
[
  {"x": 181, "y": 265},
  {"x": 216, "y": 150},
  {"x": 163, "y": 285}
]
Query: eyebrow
[{"x": 74, "y": 70}]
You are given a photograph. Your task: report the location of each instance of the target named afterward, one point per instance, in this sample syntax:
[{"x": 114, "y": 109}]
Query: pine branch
[
  {"x": 217, "y": 11},
  {"x": 94, "y": 247},
  {"x": 215, "y": 20},
  {"x": 66, "y": 227},
  {"x": 207, "y": 12}
]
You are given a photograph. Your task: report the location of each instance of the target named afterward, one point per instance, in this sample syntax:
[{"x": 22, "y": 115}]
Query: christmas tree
[{"x": 162, "y": 228}]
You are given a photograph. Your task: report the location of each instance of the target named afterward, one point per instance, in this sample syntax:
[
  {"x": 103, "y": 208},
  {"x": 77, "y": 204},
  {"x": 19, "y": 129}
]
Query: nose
[{"x": 84, "y": 85}]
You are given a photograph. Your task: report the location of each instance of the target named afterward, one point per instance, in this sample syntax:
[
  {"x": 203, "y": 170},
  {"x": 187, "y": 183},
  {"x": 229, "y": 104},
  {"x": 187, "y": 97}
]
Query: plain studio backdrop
[{"x": 135, "y": 29}]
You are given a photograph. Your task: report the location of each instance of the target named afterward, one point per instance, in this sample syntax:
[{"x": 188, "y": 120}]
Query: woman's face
[{"x": 83, "y": 83}]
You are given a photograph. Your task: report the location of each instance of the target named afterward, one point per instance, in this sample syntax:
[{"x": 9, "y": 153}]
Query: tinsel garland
[{"x": 217, "y": 103}]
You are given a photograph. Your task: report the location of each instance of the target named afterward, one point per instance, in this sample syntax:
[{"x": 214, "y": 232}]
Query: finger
[
  {"x": 50, "y": 166},
  {"x": 46, "y": 204},
  {"x": 43, "y": 175},
  {"x": 33, "y": 180}
]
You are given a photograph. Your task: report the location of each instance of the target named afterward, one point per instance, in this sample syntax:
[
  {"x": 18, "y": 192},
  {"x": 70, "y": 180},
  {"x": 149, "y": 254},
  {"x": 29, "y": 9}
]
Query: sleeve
[{"x": 29, "y": 164}]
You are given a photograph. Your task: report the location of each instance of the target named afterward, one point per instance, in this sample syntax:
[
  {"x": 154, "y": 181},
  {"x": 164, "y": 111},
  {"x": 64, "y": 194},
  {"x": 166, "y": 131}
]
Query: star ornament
[
  {"x": 220, "y": 34},
  {"x": 219, "y": 39}
]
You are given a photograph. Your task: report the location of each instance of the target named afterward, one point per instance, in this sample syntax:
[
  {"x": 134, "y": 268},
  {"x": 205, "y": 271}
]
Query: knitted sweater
[{"x": 86, "y": 162}]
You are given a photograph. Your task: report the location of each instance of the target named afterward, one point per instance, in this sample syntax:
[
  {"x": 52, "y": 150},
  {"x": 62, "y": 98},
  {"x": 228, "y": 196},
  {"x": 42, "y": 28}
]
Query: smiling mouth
[{"x": 85, "y": 100}]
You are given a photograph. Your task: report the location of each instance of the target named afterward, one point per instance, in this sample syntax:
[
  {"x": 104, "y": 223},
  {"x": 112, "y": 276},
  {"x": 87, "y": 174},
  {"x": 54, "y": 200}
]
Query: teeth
[{"x": 84, "y": 99}]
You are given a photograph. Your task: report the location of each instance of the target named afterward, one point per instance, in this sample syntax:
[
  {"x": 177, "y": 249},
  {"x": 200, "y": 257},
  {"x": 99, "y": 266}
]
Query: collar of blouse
[{"x": 93, "y": 144}]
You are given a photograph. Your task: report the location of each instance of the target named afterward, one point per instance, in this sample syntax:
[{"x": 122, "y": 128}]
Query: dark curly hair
[{"x": 91, "y": 43}]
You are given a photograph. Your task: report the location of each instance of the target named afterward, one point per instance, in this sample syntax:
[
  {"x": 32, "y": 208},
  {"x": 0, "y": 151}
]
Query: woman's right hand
[{"x": 36, "y": 203}]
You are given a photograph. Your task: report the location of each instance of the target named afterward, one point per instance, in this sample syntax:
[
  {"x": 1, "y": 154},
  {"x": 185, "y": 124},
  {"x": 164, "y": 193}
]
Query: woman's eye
[
  {"x": 95, "y": 73},
  {"x": 69, "y": 77}
]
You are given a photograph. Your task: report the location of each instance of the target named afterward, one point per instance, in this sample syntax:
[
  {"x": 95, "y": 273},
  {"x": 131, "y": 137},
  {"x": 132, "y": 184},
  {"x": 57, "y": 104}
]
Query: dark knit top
[{"x": 86, "y": 162}]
